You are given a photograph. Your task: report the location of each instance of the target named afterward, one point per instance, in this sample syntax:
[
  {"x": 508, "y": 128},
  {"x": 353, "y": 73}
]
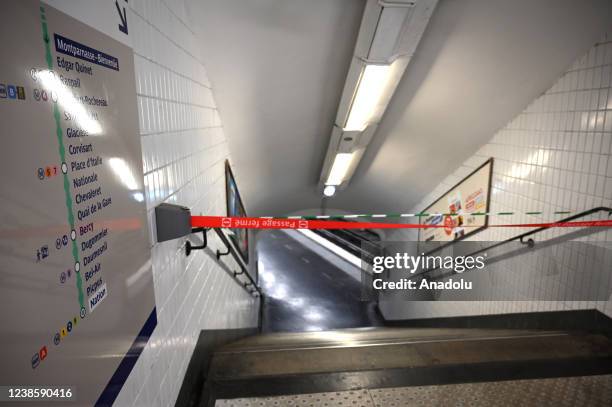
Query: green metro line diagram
[{"x": 64, "y": 167}]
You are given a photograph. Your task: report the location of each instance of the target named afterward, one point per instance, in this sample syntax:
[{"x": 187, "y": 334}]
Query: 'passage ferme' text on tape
[{"x": 275, "y": 223}]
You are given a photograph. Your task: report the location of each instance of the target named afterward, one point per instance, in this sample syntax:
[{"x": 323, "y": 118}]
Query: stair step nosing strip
[{"x": 487, "y": 338}]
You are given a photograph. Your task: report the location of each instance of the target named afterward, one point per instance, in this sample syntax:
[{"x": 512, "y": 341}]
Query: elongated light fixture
[
  {"x": 388, "y": 37},
  {"x": 371, "y": 86},
  {"x": 340, "y": 168}
]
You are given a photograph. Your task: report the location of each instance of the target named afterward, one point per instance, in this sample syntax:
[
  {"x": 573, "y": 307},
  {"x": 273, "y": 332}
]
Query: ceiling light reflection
[
  {"x": 312, "y": 328},
  {"x": 313, "y": 315},
  {"x": 295, "y": 302},
  {"x": 138, "y": 196},
  {"x": 342, "y": 338},
  {"x": 279, "y": 293},
  {"x": 126, "y": 176},
  {"x": 69, "y": 102},
  {"x": 525, "y": 168}
]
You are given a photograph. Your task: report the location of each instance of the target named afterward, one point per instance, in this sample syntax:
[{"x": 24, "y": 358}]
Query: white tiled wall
[
  {"x": 554, "y": 156},
  {"x": 184, "y": 149}
]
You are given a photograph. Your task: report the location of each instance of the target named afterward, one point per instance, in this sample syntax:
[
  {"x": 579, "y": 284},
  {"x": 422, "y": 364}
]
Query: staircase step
[
  {"x": 366, "y": 337},
  {"x": 260, "y": 359}
]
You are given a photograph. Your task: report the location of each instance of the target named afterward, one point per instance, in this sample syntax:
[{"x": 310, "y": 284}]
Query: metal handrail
[
  {"x": 522, "y": 236},
  {"x": 243, "y": 268}
]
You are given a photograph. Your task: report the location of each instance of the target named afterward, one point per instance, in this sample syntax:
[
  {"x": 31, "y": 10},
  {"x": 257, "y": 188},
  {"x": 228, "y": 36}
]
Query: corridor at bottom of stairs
[{"x": 309, "y": 288}]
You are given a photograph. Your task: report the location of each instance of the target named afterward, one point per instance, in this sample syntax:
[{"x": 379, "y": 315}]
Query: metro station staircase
[
  {"x": 372, "y": 358},
  {"x": 522, "y": 348}
]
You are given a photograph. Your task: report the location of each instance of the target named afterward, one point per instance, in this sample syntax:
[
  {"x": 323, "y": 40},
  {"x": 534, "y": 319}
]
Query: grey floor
[{"x": 305, "y": 291}]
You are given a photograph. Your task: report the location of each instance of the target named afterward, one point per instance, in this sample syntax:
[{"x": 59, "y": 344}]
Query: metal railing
[
  {"x": 189, "y": 248},
  {"x": 521, "y": 238},
  {"x": 251, "y": 286}
]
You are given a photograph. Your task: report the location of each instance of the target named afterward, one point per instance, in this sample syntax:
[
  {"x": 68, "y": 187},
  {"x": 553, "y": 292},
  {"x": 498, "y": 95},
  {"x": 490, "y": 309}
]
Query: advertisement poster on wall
[
  {"x": 461, "y": 210},
  {"x": 235, "y": 208}
]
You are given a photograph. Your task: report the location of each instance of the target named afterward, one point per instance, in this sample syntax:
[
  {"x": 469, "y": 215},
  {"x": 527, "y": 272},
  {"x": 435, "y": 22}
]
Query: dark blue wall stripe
[{"x": 110, "y": 393}]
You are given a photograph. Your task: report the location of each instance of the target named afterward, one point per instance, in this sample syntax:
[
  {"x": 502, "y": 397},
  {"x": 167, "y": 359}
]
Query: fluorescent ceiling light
[
  {"x": 339, "y": 169},
  {"x": 329, "y": 190},
  {"x": 369, "y": 90}
]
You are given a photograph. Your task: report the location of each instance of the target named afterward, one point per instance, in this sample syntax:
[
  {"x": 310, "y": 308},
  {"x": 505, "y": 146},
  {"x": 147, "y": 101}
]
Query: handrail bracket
[
  {"x": 529, "y": 242},
  {"x": 190, "y": 247}
]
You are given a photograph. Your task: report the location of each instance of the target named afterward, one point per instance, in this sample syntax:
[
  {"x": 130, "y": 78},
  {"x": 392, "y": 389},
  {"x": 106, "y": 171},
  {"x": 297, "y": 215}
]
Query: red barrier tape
[{"x": 261, "y": 223}]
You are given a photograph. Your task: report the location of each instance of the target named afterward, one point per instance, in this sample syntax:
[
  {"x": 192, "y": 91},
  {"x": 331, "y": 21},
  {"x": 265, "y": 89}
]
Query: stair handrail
[
  {"x": 243, "y": 268},
  {"x": 521, "y": 237}
]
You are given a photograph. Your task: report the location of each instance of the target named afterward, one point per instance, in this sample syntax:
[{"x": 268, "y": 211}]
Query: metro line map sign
[{"x": 76, "y": 288}]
